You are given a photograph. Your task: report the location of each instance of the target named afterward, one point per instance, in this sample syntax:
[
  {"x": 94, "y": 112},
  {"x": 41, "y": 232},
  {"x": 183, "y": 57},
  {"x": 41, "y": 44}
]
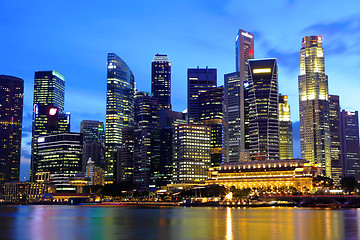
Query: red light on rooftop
[{"x": 319, "y": 38}]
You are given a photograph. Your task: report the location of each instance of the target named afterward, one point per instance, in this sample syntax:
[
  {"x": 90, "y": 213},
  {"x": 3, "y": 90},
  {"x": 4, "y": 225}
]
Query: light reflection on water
[{"x": 87, "y": 222}]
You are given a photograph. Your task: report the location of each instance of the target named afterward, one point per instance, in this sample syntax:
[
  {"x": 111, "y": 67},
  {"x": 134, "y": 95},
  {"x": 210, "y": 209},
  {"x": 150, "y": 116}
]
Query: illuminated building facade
[
  {"x": 146, "y": 121},
  {"x": 236, "y": 116},
  {"x": 26, "y": 192},
  {"x": 350, "y": 143},
  {"x": 60, "y": 153},
  {"x": 285, "y": 128},
  {"x": 236, "y": 104},
  {"x": 11, "y": 113},
  {"x": 199, "y": 80},
  {"x": 314, "y": 104},
  {"x": 119, "y": 109},
  {"x": 95, "y": 173},
  {"x": 191, "y": 149},
  {"x": 161, "y": 81},
  {"x": 263, "y": 110},
  {"x": 48, "y": 111},
  {"x": 335, "y": 135},
  {"x": 244, "y": 50},
  {"x": 211, "y": 114},
  {"x": 266, "y": 174},
  {"x": 94, "y": 141}
]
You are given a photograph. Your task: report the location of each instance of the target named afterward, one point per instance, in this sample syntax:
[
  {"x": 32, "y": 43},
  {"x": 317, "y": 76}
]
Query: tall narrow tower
[
  {"x": 236, "y": 104},
  {"x": 244, "y": 50},
  {"x": 263, "y": 110},
  {"x": 48, "y": 112},
  {"x": 11, "y": 113},
  {"x": 285, "y": 128},
  {"x": 314, "y": 104},
  {"x": 161, "y": 81},
  {"x": 119, "y": 109}
]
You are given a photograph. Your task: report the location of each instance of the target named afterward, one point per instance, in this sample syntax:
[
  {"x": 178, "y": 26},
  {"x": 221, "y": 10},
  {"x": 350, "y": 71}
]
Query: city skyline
[{"x": 212, "y": 44}]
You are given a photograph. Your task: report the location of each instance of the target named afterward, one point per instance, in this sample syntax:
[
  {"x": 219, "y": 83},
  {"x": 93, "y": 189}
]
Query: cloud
[
  {"x": 340, "y": 37},
  {"x": 287, "y": 59}
]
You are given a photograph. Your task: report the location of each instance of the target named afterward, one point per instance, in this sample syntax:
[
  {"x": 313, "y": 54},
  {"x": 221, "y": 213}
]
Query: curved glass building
[{"x": 119, "y": 109}]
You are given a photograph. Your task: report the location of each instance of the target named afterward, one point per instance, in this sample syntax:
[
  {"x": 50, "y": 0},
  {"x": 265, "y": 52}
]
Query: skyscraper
[
  {"x": 191, "y": 153},
  {"x": 263, "y": 110},
  {"x": 60, "y": 153},
  {"x": 48, "y": 111},
  {"x": 244, "y": 50},
  {"x": 236, "y": 115},
  {"x": 211, "y": 114},
  {"x": 335, "y": 135},
  {"x": 350, "y": 143},
  {"x": 93, "y": 141},
  {"x": 146, "y": 121},
  {"x": 119, "y": 109},
  {"x": 285, "y": 128},
  {"x": 236, "y": 104},
  {"x": 161, "y": 81},
  {"x": 11, "y": 112},
  {"x": 314, "y": 104},
  {"x": 199, "y": 80},
  {"x": 125, "y": 157}
]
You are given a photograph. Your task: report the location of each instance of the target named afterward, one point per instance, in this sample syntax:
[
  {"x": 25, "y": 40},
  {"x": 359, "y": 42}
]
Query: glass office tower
[
  {"x": 199, "y": 80},
  {"x": 11, "y": 113},
  {"x": 119, "y": 109},
  {"x": 286, "y": 137},
  {"x": 335, "y": 135},
  {"x": 146, "y": 121},
  {"x": 211, "y": 114},
  {"x": 161, "y": 81},
  {"x": 314, "y": 104},
  {"x": 93, "y": 142},
  {"x": 263, "y": 110},
  {"x": 350, "y": 143},
  {"x": 48, "y": 111}
]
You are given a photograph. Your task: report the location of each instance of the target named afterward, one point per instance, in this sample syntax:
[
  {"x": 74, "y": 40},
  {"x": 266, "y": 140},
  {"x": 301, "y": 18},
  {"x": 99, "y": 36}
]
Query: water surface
[{"x": 91, "y": 222}]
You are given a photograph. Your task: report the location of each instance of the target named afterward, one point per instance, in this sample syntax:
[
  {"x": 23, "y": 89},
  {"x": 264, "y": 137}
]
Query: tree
[
  {"x": 323, "y": 182},
  {"x": 349, "y": 183}
]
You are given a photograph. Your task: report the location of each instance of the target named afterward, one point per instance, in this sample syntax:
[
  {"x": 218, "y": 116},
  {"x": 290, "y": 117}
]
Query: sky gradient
[{"x": 75, "y": 37}]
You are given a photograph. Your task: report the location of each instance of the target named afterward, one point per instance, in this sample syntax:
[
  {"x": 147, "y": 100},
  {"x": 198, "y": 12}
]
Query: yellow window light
[{"x": 262, "y": 70}]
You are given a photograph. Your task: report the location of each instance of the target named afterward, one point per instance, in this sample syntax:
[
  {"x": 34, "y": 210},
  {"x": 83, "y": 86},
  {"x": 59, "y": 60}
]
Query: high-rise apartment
[
  {"x": 335, "y": 135},
  {"x": 199, "y": 80},
  {"x": 350, "y": 143},
  {"x": 48, "y": 111},
  {"x": 263, "y": 110},
  {"x": 285, "y": 128},
  {"x": 314, "y": 104},
  {"x": 161, "y": 81},
  {"x": 11, "y": 112},
  {"x": 119, "y": 109}
]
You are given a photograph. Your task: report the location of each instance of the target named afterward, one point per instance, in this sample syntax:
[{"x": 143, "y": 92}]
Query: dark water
[{"x": 86, "y": 222}]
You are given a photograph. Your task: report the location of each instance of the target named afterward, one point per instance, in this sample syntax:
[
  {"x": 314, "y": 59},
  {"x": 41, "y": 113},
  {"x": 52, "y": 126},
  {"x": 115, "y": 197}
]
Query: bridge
[{"x": 317, "y": 200}]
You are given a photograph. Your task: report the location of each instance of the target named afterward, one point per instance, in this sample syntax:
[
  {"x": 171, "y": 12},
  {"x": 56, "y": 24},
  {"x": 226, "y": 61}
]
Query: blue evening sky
[{"x": 74, "y": 37}]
